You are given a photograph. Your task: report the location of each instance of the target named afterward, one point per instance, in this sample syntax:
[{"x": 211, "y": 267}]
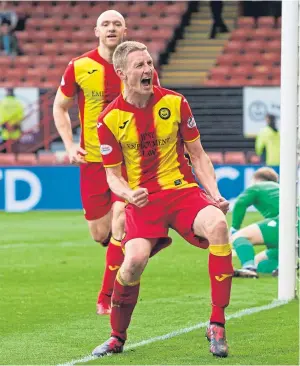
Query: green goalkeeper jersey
[{"x": 264, "y": 196}]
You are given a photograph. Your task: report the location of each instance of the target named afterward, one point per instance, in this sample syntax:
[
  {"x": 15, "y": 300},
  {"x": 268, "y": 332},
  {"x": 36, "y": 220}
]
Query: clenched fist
[
  {"x": 76, "y": 155},
  {"x": 139, "y": 197}
]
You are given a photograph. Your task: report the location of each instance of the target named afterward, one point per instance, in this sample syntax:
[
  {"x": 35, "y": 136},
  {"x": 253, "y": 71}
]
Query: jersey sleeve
[
  {"x": 68, "y": 84},
  {"x": 156, "y": 81},
  {"x": 188, "y": 126},
  {"x": 244, "y": 200},
  {"x": 109, "y": 146}
]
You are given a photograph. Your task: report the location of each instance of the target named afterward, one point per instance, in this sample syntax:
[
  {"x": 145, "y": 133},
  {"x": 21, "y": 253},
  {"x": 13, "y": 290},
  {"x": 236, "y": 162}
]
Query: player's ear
[
  {"x": 97, "y": 34},
  {"x": 125, "y": 33},
  {"x": 121, "y": 74}
]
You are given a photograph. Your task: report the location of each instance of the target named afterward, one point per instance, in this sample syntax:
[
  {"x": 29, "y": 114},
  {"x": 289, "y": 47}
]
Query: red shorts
[
  {"x": 175, "y": 208},
  {"x": 95, "y": 192},
  {"x": 96, "y": 196}
]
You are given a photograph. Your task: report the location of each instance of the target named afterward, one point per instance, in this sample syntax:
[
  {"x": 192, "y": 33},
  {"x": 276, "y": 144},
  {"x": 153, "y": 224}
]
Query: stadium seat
[
  {"x": 256, "y": 46},
  {"x": 245, "y": 22},
  {"x": 265, "y": 22},
  {"x": 235, "y": 46},
  {"x": 274, "y": 46},
  {"x": 47, "y": 159},
  {"x": 226, "y": 59},
  {"x": 240, "y": 34},
  {"x": 7, "y": 159},
  {"x": 234, "y": 157},
  {"x": 237, "y": 81},
  {"x": 216, "y": 157},
  {"x": 26, "y": 159},
  {"x": 253, "y": 158},
  {"x": 245, "y": 71}
]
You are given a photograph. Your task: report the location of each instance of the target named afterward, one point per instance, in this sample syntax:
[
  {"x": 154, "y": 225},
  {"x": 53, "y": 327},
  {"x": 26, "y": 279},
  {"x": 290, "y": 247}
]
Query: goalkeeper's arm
[{"x": 244, "y": 200}]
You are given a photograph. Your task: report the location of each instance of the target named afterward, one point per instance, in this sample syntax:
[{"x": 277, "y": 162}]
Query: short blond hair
[
  {"x": 123, "y": 50},
  {"x": 266, "y": 174}
]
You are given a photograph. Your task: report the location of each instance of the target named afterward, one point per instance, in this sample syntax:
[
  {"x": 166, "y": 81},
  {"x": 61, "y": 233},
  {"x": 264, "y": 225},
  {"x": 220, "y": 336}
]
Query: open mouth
[
  {"x": 146, "y": 81},
  {"x": 111, "y": 36}
]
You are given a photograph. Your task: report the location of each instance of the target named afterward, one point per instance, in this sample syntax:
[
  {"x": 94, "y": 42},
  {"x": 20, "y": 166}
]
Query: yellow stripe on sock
[
  {"x": 124, "y": 283},
  {"x": 115, "y": 242},
  {"x": 220, "y": 250}
]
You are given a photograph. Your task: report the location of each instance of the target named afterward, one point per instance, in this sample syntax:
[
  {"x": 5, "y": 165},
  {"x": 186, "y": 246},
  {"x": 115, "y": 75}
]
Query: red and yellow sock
[
  {"x": 220, "y": 272},
  {"x": 124, "y": 299},
  {"x": 114, "y": 259}
]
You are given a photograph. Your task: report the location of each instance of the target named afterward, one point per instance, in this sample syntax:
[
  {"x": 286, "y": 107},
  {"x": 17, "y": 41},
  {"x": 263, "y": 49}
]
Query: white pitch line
[{"x": 238, "y": 314}]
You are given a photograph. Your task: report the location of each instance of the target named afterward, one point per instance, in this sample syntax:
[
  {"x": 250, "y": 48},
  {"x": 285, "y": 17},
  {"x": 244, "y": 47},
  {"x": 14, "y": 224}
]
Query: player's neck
[
  {"x": 106, "y": 53},
  {"x": 135, "y": 99}
]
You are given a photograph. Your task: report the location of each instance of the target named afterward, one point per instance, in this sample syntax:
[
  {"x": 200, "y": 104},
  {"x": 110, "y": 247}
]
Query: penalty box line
[{"x": 238, "y": 314}]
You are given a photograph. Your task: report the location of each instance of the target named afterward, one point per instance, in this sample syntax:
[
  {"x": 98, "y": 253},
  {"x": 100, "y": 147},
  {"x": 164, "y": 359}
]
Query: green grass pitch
[{"x": 50, "y": 273}]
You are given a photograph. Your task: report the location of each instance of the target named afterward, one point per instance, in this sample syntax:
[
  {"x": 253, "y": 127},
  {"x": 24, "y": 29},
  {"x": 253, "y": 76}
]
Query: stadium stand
[
  {"x": 251, "y": 56},
  {"x": 56, "y": 32},
  {"x": 195, "y": 53}
]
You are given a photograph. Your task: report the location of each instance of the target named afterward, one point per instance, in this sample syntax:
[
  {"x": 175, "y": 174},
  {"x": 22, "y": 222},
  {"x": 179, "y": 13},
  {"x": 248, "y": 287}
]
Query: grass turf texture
[{"x": 50, "y": 272}]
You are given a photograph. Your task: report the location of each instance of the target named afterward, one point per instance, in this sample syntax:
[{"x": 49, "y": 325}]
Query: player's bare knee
[
  {"x": 134, "y": 265},
  {"x": 217, "y": 231},
  {"x": 100, "y": 236}
]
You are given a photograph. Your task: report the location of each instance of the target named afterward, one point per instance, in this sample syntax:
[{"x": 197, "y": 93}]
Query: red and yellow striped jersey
[
  {"x": 150, "y": 140},
  {"x": 96, "y": 84}
]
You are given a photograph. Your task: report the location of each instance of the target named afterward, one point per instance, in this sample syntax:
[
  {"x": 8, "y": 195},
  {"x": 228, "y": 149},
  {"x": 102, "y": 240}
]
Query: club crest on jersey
[
  {"x": 164, "y": 113},
  {"x": 106, "y": 149},
  {"x": 191, "y": 122}
]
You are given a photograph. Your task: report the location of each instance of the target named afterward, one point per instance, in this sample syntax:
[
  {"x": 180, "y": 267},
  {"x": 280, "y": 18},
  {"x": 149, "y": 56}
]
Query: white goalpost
[{"x": 290, "y": 113}]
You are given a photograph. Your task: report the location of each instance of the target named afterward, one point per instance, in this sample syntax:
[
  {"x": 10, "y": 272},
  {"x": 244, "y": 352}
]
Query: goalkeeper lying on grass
[{"x": 263, "y": 194}]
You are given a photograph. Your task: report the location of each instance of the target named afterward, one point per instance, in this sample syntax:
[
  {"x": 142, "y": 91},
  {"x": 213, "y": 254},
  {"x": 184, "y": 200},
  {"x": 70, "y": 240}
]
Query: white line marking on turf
[{"x": 238, "y": 314}]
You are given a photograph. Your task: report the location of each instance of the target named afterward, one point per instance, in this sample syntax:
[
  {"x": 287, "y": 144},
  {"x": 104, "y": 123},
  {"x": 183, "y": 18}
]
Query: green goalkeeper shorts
[{"x": 269, "y": 229}]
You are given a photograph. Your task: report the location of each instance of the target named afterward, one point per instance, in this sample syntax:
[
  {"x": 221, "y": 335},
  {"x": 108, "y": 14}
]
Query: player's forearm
[
  {"x": 118, "y": 186},
  {"x": 238, "y": 215},
  {"x": 63, "y": 125},
  {"x": 205, "y": 174}
]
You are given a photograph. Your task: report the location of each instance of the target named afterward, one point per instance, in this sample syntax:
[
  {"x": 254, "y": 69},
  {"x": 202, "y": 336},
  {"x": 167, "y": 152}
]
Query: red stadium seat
[
  {"x": 221, "y": 71},
  {"x": 234, "y": 46},
  {"x": 245, "y": 71},
  {"x": 26, "y": 159},
  {"x": 240, "y": 34},
  {"x": 265, "y": 22},
  {"x": 7, "y": 159},
  {"x": 47, "y": 159},
  {"x": 216, "y": 157},
  {"x": 257, "y": 81},
  {"x": 262, "y": 70},
  {"x": 256, "y": 46},
  {"x": 234, "y": 157},
  {"x": 5, "y": 62},
  {"x": 226, "y": 59},
  {"x": 271, "y": 57},
  {"x": 260, "y": 34},
  {"x": 274, "y": 46},
  {"x": 240, "y": 80},
  {"x": 245, "y": 22},
  {"x": 253, "y": 158}
]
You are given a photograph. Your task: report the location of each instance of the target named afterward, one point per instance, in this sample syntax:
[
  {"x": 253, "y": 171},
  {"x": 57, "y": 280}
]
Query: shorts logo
[
  {"x": 113, "y": 268},
  {"x": 164, "y": 113},
  {"x": 191, "y": 122},
  {"x": 106, "y": 149},
  {"x": 222, "y": 277}
]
